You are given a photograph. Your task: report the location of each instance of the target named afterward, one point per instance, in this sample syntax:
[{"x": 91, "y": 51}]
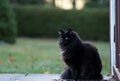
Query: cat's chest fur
[{"x": 70, "y": 56}]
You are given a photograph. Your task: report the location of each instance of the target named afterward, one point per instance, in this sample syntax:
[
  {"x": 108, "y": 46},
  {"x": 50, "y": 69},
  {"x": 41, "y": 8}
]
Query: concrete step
[
  {"x": 41, "y": 77},
  {"x": 28, "y": 77}
]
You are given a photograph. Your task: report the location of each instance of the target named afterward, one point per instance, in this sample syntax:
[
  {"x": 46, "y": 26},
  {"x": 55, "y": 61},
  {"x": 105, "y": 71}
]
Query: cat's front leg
[{"x": 66, "y": 74}]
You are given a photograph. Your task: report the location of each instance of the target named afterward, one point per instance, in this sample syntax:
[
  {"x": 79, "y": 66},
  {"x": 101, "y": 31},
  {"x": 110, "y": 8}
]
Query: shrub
[
  {"x": 92, "y": 24},
  {"x": 7, "y": 22}
]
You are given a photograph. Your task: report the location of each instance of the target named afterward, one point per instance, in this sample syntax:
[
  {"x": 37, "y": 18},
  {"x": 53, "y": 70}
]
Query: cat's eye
[{"x": 66, "y": 38}]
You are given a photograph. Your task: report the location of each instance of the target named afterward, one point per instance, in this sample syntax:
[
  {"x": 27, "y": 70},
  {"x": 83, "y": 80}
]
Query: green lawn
[{"x": 40, "y": 56}]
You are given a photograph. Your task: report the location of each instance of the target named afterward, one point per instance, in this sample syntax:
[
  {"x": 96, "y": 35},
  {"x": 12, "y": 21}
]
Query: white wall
[{"x": 112, "y": 23}]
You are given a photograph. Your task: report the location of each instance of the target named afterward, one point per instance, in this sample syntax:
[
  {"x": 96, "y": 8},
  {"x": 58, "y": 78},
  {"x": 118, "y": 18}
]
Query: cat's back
[
  {"x": 92, "y": 53},
  {"x": 90, "y": 46}
]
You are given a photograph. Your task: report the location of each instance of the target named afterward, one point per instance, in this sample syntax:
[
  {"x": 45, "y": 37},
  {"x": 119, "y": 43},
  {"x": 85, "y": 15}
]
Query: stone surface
[
  {"x": 41, "y": 77},
  {"x": 28, "y": 77}
]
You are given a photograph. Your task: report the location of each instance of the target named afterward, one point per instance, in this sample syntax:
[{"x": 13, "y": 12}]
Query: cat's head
[{"x": 66, "y": 38}]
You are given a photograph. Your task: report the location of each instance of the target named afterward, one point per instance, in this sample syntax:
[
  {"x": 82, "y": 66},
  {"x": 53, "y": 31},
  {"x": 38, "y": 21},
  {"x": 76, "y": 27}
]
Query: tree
[
  {"x": 7, "y": 22},
  {"x": 53, "y": 3},
  {"x": 74, "y": 3}
]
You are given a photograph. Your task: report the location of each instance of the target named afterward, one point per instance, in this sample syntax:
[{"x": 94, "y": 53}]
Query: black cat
[{"x": 81, "y": 59}]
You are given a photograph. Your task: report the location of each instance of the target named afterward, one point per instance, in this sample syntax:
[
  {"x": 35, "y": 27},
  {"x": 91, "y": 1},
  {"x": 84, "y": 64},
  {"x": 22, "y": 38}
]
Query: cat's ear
[
  {"x": 61, "y": 31},
  {"x": 69, "y": 30}
]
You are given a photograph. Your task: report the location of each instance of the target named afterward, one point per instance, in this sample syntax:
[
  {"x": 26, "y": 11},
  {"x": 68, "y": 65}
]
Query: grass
[{"x": 40, "y": 56}]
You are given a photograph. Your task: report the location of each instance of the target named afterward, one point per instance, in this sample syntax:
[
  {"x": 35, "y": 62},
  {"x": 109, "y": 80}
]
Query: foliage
[
  {"x": 41, "y": 56},
  {"x": 92, "y": 24},
  {"x": 7, "y": 22},
  {"x": 25, "y": 2},
  {"x": 97, "y": 3}
]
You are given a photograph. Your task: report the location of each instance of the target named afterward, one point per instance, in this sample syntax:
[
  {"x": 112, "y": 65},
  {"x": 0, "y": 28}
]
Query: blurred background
[{"x": 29, "y": 32}]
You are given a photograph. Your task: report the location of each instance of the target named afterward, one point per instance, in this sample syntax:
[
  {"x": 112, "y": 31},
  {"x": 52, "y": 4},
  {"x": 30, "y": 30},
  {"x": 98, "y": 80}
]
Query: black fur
[{"x": 81, "y": 59}]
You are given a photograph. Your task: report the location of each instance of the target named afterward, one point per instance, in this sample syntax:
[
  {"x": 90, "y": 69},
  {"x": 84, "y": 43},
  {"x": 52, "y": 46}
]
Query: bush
[
  {"x": 92, "y": 24},
  {"x": 7, "y": 22},
  {"x": 97, "y": 4}
]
